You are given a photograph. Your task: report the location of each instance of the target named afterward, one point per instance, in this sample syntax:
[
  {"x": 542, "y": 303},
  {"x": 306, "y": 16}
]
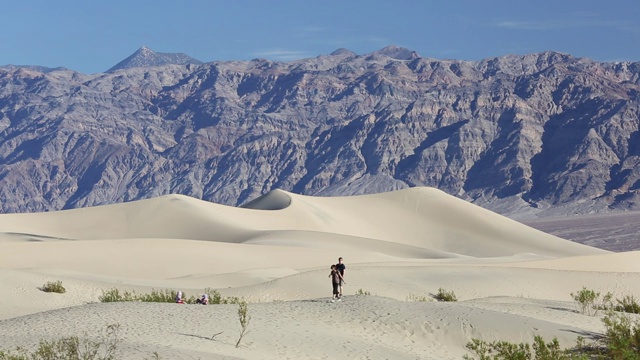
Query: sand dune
[{"x": 512, "y": 280}]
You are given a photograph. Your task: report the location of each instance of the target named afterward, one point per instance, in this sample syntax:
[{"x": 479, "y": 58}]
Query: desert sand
[{"x": 512, "y": 281}]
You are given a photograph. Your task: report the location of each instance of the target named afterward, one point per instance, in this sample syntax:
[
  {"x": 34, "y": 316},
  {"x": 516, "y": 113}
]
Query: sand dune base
[{"x": 512, "y": 281}]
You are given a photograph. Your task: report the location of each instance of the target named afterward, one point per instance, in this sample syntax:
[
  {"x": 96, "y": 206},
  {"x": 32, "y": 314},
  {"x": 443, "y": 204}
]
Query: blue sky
[{"x": 91, "y": 36}]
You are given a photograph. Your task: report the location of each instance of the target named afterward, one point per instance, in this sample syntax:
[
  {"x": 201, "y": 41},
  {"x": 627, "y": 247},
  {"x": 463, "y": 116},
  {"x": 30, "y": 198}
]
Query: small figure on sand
[
  {"x": 179, "y": 298},
  {"x": 336, "y": 279},
  {"x": 341, "y": 267},
  {"x": 203, "y": 300}
]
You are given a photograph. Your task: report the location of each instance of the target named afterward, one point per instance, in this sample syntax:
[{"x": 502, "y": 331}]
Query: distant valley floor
[{"x": 613, "y": 231}]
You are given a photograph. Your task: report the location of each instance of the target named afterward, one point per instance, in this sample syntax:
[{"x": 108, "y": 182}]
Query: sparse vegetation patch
[
  {"x": 54, "y": 286},
  {"x": 621, "y": 340},
  {"x": 444, "y": 295},
  {"x": 244, "y": 318},
  {"x": 71, "y": 348},
  {"x": 163, "y": 296},
  {"x": 418, "y": 298},
  {"x": 362, "y": 292}
]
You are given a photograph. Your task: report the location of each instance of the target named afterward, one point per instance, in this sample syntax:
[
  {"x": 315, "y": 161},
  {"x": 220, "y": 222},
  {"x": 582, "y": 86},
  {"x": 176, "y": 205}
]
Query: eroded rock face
[{"x": 542, "y": 133}]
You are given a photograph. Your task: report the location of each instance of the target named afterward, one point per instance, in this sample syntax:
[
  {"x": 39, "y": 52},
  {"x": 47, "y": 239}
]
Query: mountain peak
[
  {"x": 144, "y": 50},
  {"x": 397, "y": 52},
  {"x": 145, "y": 57},
  {"x": 343, "y": 52}
]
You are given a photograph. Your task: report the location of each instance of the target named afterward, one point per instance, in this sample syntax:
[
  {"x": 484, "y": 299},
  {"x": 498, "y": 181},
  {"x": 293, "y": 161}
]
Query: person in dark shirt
[
  {"x": 341, "y": 267},
  {"x": 335, "y": 281}
]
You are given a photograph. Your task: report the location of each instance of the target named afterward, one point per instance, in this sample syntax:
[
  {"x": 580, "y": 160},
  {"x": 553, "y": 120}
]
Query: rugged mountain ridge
[{"x": 540, "y": 133}]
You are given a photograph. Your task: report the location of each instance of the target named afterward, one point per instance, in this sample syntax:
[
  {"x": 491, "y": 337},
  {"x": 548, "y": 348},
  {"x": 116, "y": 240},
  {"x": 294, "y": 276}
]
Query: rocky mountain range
[{"x": 523, "y": 135}]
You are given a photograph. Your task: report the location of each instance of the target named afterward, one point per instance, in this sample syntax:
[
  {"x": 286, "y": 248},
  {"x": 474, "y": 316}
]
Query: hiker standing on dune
[
  {"x": 341, "y": 267},
  {"x": 335, "y": 281}
]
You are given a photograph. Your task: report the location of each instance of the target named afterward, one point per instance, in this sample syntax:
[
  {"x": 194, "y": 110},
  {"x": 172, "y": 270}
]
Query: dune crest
[
  {"x": 423, "y": 218},
  {"x": 273, "y": 200}
]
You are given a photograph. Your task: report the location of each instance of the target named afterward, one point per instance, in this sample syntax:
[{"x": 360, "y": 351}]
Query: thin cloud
[
  {"x": 531, "y": 25},
  {"x": 282, "y": 54},
  {"x": 582, "y": 21}
]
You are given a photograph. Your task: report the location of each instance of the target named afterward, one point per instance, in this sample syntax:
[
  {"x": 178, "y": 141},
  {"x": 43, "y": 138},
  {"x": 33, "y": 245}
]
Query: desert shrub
[
  {"x": 590, "y": 302},
  {"x": 72, "y": 348},
  {"x": 231, "y": 300},
  {"x": 587, "y": 300},
  {"x": 166, "y": 295},
  {"x": 114, "y": 295},
  {"x": 244, "y": 318},
  {"x": 417, "y": 298},
  {"x": 54, "y": 286},
  {"x": 622, "y": 337},
  {"x": 214, "y": 296},
  {"x": 498, "y": 350},
  {"x": 444, "y": 295},
  {"x": 362, "y": 292},
  {"x": 9, "y": 356},
  {"x": 621, "y": 341},
  {"x": 540, "y": 350},
  {"x": 627, "y": 304}
]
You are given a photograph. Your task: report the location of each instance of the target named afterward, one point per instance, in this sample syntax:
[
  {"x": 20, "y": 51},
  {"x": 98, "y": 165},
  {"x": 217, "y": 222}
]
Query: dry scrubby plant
[
  {"x": 244, "y": 318},
  {"x": 622, "y": 337},
  {"x": 53, "y": 286},
  {"x": 72, "y": 348},
  {"x": 444, "y": 295},
  {"x": 589, "y": 302},
  {"x": 362, "y": 292},
  {"x": 540, "y": 350},
  {"x": 627, "y": 304},
  {"x": 216, "y": 298},
  {"x": 418, "y": 298},
  {"x": 621, "y": 340},
  {"x": 115, "y": 295}
]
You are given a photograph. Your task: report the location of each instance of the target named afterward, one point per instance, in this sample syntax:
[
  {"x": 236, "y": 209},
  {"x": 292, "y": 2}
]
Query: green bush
[
  {"x": 54, "y": 286},
  {"x": 444, "y": 295}
]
